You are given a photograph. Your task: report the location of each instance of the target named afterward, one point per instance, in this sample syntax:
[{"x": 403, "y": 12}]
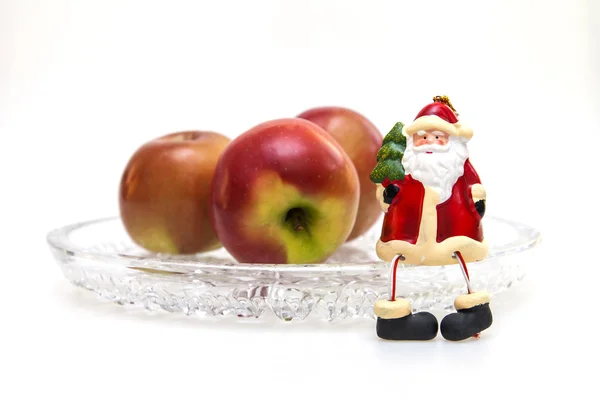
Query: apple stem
[{"x": 297, "y": 218}]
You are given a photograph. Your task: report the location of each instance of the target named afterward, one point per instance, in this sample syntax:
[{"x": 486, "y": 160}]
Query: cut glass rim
[{"x": 59, "y": 240}]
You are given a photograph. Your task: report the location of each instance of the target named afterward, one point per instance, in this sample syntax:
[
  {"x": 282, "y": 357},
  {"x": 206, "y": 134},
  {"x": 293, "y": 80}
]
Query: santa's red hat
[{"x": 438, "y": 115}]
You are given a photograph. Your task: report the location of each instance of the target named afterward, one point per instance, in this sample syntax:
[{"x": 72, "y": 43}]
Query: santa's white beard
[{"x": 439, "y": 170}]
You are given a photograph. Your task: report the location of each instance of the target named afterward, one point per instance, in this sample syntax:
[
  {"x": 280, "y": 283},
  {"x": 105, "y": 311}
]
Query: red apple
[
  {"x": 165, "y": 190},
  {"x": 361, "y": 140},
  {"x": 284, "y": 192}
]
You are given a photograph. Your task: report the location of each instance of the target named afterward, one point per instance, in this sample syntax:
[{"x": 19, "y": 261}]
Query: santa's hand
[
  {"x": 389, "y": 193},
  {"x": 384, "y": 195},
  {"x": 480, "y": 207},
  {"x": 479, "y": 196}
]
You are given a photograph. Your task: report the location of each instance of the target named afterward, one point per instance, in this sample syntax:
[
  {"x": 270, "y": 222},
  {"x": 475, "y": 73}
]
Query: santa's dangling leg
[
  {"x": 473, "y": 313},
  {"x": 395, "y": 320}
]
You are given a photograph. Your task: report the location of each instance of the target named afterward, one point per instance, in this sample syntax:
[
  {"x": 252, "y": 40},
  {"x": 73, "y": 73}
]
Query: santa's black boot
[
  {"x": 395, "y": 321},
  {"x": 473, "y": 316}
]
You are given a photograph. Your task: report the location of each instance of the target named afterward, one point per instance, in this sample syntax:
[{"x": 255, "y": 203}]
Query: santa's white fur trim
[
  {"x": 478, "y": 192},
  {"x": 379, "y": 194},
  {"x": 434, "y": 122},
  {"x": 466, "y": 301},
  {"x": 388, "y": 309}
]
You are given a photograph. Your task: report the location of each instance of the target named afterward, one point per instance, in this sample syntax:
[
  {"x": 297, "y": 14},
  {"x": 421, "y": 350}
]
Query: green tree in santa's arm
[{"x": 389, "y": 164}]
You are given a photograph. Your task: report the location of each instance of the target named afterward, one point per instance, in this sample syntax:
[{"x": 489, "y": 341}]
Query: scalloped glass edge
[{"x": 98, "y": 256}]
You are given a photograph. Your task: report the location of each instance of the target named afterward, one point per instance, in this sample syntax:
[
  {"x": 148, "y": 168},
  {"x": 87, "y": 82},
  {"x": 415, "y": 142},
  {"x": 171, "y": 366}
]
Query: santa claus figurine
[{"x": 433, "y": 212}]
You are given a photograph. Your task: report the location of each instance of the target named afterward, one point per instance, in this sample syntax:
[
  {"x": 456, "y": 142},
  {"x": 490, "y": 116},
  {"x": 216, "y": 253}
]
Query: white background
[{"x": 83, "y": 84}]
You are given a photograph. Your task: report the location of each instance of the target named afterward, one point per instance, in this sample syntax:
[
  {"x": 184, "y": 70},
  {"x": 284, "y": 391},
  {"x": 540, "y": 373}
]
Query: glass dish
[{"x": 99, "y": 256}]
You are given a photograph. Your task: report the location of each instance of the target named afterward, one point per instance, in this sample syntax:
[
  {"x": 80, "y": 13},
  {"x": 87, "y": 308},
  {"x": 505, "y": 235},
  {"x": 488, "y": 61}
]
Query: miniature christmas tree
[{"x": 389, "y": 157}]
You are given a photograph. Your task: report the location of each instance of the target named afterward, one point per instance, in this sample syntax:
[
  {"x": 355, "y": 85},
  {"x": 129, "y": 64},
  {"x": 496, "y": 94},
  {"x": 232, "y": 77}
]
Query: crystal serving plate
[{"x": 100, "y": 257}]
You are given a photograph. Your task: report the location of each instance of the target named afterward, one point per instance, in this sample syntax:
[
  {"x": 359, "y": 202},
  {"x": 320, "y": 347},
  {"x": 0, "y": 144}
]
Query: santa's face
[
  {"x": 430, "y": 137},
  {"x": 436, "y": 159}
]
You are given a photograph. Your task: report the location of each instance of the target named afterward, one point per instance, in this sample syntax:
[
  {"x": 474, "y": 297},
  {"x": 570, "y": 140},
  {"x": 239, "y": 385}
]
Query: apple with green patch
[
  {"x": 361, "y": 140},
  {"x": 165, "y": 190},
  {"x": 284, "y": 192}
]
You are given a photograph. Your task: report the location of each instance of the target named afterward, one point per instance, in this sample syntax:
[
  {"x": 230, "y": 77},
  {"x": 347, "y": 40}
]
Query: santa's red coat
[{"x": 456, "y": 216}]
